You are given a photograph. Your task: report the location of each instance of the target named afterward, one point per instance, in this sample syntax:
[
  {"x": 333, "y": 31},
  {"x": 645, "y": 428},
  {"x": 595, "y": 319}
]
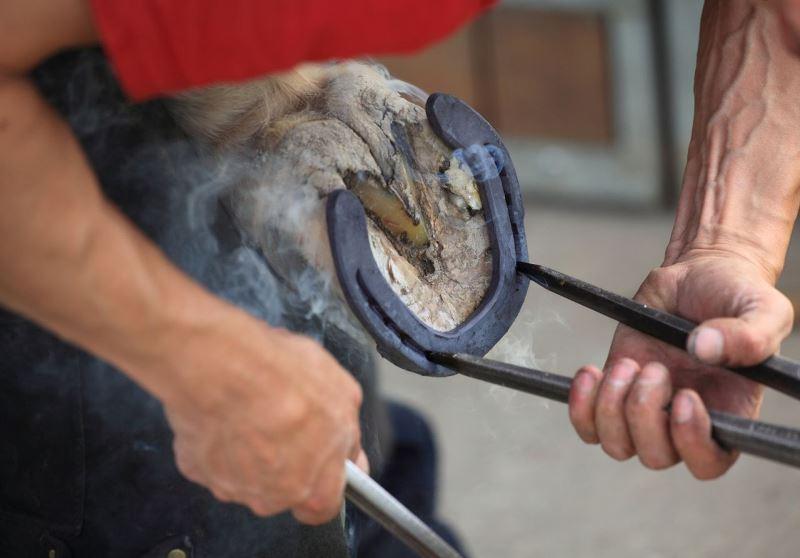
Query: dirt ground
[{"x": 517, "y": 482}]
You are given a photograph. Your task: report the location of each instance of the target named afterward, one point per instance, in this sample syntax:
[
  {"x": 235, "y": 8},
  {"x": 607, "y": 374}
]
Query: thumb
[{"x": 753, "y": 335}]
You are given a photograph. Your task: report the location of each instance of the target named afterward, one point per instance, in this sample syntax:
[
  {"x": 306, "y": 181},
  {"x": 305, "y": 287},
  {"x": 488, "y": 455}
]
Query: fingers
[
  {"x": 325, "y": 501},
  {"x": 325, "y": 498},
  {"x": 610, "y": 421},
  {"x": 752, "y": 337},
  {"x": 648, "y": 423},
  {"x": 597, "y": 407},
  {"x": 691, "y": 434},
  {"x": 581, "y": 403},
  {"x": 623, "y": 410}
]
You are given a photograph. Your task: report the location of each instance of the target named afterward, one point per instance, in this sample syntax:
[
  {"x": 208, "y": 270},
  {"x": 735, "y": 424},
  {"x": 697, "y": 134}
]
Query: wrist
[
  {"x": 736, "y": 205},
  {"x": 734, "y": 254},
  {"x": 758, "y": 238}
]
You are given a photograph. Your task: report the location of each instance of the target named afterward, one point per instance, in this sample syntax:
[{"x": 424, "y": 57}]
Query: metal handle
[
  {"x": 372, "y": 499},
  {"x": 776, "y": 443},
  {"x": 776, "y": 372}
]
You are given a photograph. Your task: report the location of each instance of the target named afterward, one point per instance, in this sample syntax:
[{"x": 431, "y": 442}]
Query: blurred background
[{"x": 594, "y": 99}]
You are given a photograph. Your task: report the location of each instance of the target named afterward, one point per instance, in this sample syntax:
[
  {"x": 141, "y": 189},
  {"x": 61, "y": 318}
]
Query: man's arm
[
  {"x": 737, "y": 207},
  {"x": 275, "y": 404},
  {"x": 31, "y": 31}
]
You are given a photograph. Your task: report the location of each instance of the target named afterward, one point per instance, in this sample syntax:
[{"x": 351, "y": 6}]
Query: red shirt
[{"x": 164, "y": 46}]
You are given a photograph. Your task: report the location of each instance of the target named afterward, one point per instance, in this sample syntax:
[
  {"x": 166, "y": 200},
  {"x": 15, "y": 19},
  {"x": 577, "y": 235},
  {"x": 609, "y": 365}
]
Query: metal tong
[
  {"x": 769, "y": 441},
  {"x": 410, "y": 344},
  {"x": 777, "y": 372}
]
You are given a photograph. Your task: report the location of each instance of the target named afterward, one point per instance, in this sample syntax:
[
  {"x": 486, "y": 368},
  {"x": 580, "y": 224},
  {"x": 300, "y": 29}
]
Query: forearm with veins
[{"x": 740, "y": 189}]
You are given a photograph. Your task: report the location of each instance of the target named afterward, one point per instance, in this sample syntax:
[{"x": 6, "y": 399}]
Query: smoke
[
  {"x": 236, "y": 221},
  {"x": 483, "y": 162},
  {"x": 518, "y": 345},
  {"x": 188, "y": 221},
  {"x": 283, "y": 221},
  {"x": 183, "y": 195}
]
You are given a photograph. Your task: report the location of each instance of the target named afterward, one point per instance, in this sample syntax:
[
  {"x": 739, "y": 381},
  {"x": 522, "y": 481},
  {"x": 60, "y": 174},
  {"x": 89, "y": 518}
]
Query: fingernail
[
  {"x": 621, "y": 373},
  {"x": 706, "y": 344},
  {"x": 682, "y": 409},
  {"x": 653, "y": 374},
  {"x": 584, "y": 383}
]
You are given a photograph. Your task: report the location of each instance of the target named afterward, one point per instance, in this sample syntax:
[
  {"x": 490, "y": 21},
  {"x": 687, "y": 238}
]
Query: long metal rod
[
  {"x": 776, "y": 443},
  {"x": 777, "y": 372},
  {"x": 372, "y": 499}
]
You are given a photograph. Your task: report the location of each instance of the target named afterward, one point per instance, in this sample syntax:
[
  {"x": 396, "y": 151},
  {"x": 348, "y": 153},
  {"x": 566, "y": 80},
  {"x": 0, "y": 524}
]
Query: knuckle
[
  {"x": 636, "y": 405},
  {"x": 294, "y": 411},
  {"x": 186, "y": 467},
  {"x": 322, "y": 506},
  {"x": 221, "y": 494},
  {"x": 260, "y": 508},
  {"x": 317, "y": 512},
  {"x": 309, "y": 518},
  {"x": 297, "y": 490},
  {"x": 352, "y": 429},
  {"x": 785, "y": 314},
  {"x": 784, "y": 304},
  {"x": 755, "y": 343},
  {"x": 607, "y": 408},
  {"x": 316, "y": 356},
  {"x": 641, "y": 405},
  {"x": 788, "y": 309},
  {"x": 345, "y": 422}
]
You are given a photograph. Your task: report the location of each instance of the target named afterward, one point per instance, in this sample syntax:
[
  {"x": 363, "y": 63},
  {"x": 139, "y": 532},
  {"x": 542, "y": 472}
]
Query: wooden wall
[{"x": 532, "y": 72}]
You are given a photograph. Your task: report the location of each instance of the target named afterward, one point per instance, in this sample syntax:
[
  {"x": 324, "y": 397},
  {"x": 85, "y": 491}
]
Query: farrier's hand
[
  {"x": 743, "y": 319},
  {"x": 263, "y": 417},
  {"x": 738, "y": 204}
]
